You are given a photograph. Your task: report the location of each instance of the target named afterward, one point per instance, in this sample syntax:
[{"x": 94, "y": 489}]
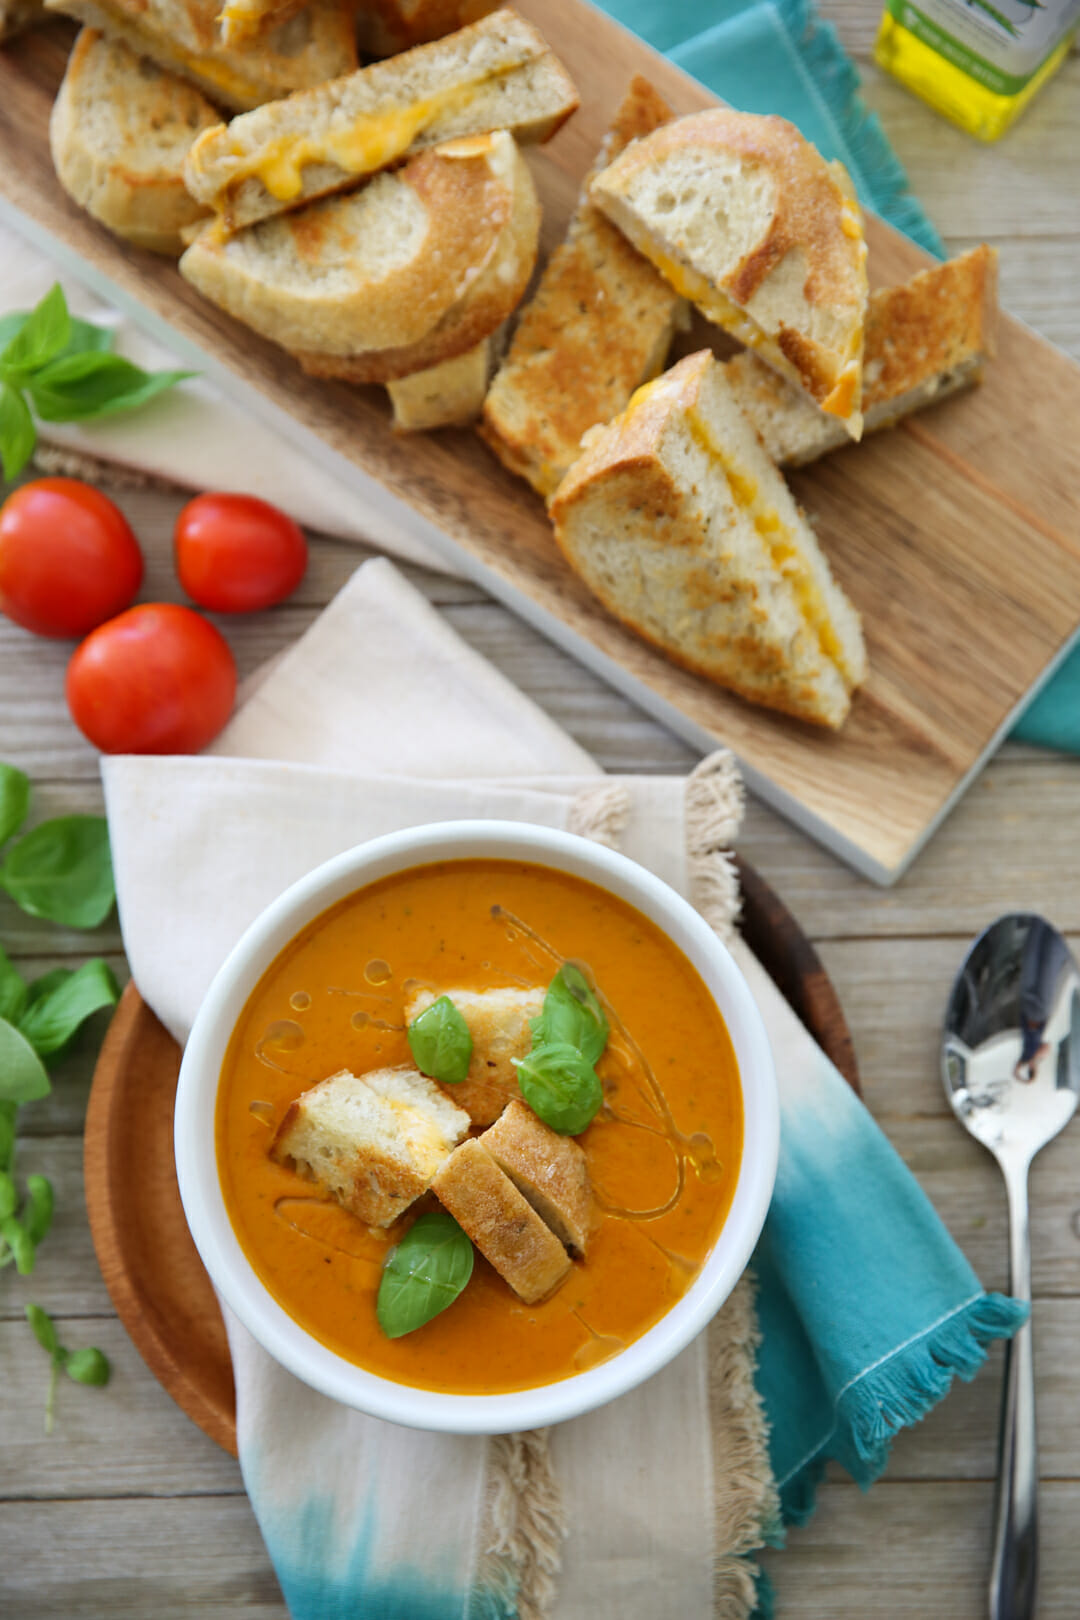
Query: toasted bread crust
[
  {"x": 550, "y": 1171},
  {"x": 599, "y": 325},
  {"x": 123, "y": 162},
  {"x": 387, "y": 27},
  {"x": 505, "y": 1228},
  {"x": 812, "y": 216},
  {"x": 182, "y": 35},
  {"x": 450, "y": 394},
  {"x": 499, "y": 1023}
]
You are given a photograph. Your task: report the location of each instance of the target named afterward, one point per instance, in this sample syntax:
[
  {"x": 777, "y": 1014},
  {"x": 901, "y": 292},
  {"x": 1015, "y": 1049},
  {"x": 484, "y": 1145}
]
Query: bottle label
[{"x": 1001, "y": 44}]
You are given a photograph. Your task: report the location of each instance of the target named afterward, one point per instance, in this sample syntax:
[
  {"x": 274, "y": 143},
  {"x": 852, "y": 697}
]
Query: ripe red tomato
[
  {"x": 68, "y": 558},
  {"x": 156, "y": 680},
  {"x": 236, "y": 554}
]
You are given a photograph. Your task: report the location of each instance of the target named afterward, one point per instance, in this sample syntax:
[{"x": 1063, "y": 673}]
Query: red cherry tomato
[
  {"x": 68, "y": 558},
  {"x": 236, "y": 554},
  {"x": 157, "y": 680}
]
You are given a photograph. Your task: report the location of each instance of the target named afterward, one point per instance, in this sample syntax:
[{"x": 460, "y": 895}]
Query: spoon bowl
[{"x": 1010, "y": 1065}]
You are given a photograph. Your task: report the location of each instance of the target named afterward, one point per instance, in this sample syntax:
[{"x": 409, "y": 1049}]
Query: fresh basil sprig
[
  {"x": 561, "y": 1086},
  {"x": 572, "y": 1015},
  {"x": 440, "y": 1042},
  {"x": 423, "y": 1275},
  {"x": 62, "y": 870},
  {"x": 87, "y": 1366},
  {"x": 62, "y": 367}
]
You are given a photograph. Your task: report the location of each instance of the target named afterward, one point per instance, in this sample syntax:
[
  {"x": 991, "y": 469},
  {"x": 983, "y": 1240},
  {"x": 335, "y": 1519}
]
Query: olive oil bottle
[{"x": 977, "y": 61}]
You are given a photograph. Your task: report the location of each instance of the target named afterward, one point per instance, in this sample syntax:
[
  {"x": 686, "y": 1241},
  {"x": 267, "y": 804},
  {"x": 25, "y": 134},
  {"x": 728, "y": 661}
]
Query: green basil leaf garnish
[
  {"x": 53, "y": 1017},
  {"x": 14, "y": 800},
  {"x": 22, "y": 1073},
  {"x": 62, "y": 870},
  {"x": 42, "y": 334},
  {"x": 38, "y": 1214},
  {"x": 18, "y": 1241},
  {"x": 14, "y": 991},
  {"x": 572, "y": 1015},
  {"x": 87, "y": 1366},
  {"x": 440, "y": 1042},
  {"x": 9, "y": 1198},
  {"x": 423, "y": 1275},
  {"x": 79, "y": 386},
  {"x": 8, "y": 1111},
  {"x": 561, "y": 1087},
  {"x": 44, "y": 1328},
  {"x": 18, "y": 435}
]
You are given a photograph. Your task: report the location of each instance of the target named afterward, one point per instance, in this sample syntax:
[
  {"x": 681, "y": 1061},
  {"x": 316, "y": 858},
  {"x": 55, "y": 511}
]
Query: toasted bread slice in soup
[
  {"x": 498, "y": 74},
  {"x": 119, "y": 132},
  {"x": 680, "y": 524},
  {"x": 183, "y": 36},
  {"x": 372, "y": 1141},
  {"x": 549, "y": 1171},
  {"x": 447, "y": 395},
  {"x": 385, "y": 27},
  {"x": 925, "y": 340},
  {"x": 599, "y": 325},
  {"x": 498, "y": 1021},
  {"x": 748, "y": 221},
  {"x": 415, "y": 268},
  {"x": 505, "y": 1228}
]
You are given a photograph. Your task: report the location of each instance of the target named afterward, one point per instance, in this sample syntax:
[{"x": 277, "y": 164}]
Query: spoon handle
[{"x": 1015, "y": 1566}]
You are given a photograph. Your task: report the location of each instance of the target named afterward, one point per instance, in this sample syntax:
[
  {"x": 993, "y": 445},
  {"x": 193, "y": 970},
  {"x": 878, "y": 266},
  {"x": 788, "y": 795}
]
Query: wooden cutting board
[
  {"x": 955, "y": 534},
  {"x": 150, "y": 1264}
]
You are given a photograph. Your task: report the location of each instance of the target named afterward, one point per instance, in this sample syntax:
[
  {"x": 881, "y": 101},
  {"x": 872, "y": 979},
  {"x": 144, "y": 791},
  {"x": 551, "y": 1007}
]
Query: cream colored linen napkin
[
  {"x": 379, "y": 718},
  {"x": 192, "y": 436}
]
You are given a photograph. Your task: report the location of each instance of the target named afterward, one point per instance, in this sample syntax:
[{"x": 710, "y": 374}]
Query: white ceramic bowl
[{"x": 196, "y": 1164}]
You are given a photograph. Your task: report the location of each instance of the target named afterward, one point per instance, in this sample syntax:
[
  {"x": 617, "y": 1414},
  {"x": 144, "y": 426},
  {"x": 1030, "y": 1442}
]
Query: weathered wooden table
[{"x": 128, "y": 1510}]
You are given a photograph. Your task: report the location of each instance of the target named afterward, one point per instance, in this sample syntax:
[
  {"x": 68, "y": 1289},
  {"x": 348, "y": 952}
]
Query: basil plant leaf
[
  {"x": 14, "y": 800},
  {"x": 440, "y": 1042},
  {"x": 22, "y": 1073},
  {"x": 14, "y": 991},
  {"x": 44, "y": 1328},
  {"x": 9, "y": 1198},
  {"x": 79, "y": 386},
  {"x": 423, "y": 1275},
  {"x": 8, "y": 1111},
  {"x": 560, "y": 1086},
  {"x": 87, "y": 337},
  {"x": 52, "y": 1019},
  {"x": 18, "y": 1241},
  {"x": 48, "y": 982},
  {"x": 63, "y": 871},
  {"x": 42, "y": 335},
  {"x": 87, "y": 1366},
  {"x": 18, "y": 435},
  {"x": 38, "y": 1214},
  {"x": 572, "y": 1015}
]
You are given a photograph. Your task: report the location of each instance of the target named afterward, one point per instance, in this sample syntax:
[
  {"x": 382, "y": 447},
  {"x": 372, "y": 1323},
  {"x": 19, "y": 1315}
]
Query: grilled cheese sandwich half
[
  {"x": 677, "y": 520},
  {"x": 386, "y": 27},
  {"x": 599, "y": 325},
  {"x": 317, "y": 43},
  {"x": 242, "y": 21},
  {"x": 925, "y": 340},
  {"x": 498, "y": 74},
  {"x": 749, "y": 222}
]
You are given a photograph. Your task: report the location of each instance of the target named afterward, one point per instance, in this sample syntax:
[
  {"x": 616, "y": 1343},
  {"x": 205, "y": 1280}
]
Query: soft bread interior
[{"x": 679, "y": 522}]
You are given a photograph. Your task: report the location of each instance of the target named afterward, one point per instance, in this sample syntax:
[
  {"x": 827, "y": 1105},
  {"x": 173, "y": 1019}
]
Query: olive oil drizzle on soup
[{"x": 663, "y": 1153}]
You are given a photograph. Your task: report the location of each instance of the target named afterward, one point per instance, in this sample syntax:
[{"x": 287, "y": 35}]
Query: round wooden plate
[{"x": 151, "y": 1268}]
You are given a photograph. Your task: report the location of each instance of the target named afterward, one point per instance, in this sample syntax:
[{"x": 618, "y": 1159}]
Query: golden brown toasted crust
[
  {"x": 599, "y": 325},
  {"x": 549, "y": 1170},
  {"x": 505, "y": 1228},
  {"x": 386, "y": 27},
  {"x": 930, "y": 324}
]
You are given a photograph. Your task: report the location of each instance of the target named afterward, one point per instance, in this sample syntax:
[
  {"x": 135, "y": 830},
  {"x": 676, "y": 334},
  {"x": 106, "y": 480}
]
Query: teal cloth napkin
[{"x": 777, "y": 56}]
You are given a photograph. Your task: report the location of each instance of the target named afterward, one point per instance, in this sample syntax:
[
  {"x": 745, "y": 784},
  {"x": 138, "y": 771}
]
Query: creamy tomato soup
[{"x": 662, "y": 1152}]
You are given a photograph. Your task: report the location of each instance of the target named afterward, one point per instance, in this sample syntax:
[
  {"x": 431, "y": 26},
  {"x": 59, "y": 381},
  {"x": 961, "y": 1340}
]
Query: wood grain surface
[
  {"x": 958, "y": 547},
  {"x": 150, "y": 1265}
]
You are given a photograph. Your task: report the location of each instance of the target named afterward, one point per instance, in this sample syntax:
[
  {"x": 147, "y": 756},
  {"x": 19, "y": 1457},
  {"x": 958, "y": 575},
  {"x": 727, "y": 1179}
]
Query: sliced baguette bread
[
  {"x": 679, "y": 523},
  {"x": 119, "y": 132},
  {"x": 385, "y": 27},
  {"x": 747, "y": 220},
  {"x": 499, "y": 74},
  {"x": 316, "y": 43},
  {"x": 925, "y": 340},
  {"x": 599, "y": 325},
  {"x": 415, "y": 268},
  {"x": 446, "y": 395}
]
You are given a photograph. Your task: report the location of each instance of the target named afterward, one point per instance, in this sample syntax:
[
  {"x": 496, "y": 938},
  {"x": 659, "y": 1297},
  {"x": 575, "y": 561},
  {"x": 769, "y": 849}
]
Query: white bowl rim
[{"x": 232, "y": 1273}]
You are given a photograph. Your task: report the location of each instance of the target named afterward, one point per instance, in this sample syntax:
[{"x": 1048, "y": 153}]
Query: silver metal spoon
[{"x": 1011, "y": 1069}]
